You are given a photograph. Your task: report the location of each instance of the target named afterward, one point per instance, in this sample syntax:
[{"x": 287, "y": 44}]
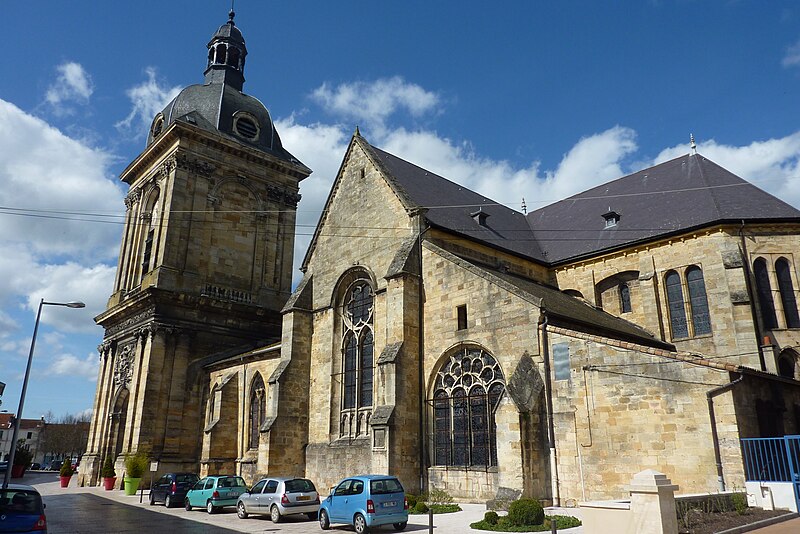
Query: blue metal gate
[{"x": 773, "y": 460}]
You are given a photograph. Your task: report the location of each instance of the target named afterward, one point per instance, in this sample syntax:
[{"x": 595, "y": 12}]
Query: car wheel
[
  {"x": 240, "y": 511},
  {"x": 312, "y": 516},
  {"x": 275, "y": 514},
  {"x": 360, "y": 524},
  {"x": 210, "y": 508},
  {"x": 168, "y": 502},
  {"x": 324, "y": 523},
  {"x": 400, "y": 526},
  {"x": 187, "y": 505},
  {"x": 152, "y": 499}
]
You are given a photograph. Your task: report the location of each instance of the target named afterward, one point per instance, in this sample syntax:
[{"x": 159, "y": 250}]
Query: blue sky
[{"x": 517, "y": 99}]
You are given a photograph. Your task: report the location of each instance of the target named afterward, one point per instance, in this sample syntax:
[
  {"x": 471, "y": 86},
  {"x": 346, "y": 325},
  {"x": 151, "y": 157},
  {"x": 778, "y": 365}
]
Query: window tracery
[
  {"x": 258, "y": 409},
  {"x": 357, "y": 359},
  {"x": 467, "y": 391}
]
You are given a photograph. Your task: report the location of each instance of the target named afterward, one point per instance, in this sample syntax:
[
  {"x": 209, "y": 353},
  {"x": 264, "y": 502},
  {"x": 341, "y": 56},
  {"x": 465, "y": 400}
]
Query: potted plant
[
  {"x": 108, "y": 474},
  {"x": 135, "y": 466},
  {"x": 66, "y": 472},
  {"x": 22, "y": 460}
]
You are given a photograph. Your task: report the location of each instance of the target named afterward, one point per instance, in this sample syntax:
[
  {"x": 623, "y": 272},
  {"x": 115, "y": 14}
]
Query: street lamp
[{"x": 25, "y": 383}]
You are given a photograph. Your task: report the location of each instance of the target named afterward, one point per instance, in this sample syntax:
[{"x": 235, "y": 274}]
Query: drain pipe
[
  {"x": 750, "y": 295},
  {"x": 714, "y": 436},
  {"x": 548, "y": 393}
]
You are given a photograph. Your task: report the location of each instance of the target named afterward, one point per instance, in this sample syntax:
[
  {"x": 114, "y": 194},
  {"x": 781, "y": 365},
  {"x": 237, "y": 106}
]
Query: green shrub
[
  {"x": 504, "y": 525},
  {"x": 739, "y": 503},
  {"x": 23, "y": 455},
  {"x": 420, "y": 508},
  {"x": 491, "y": 517},
  {"x": 445, "y": 508},
  {"x": 108, "y": 468},
  {"x": 438, "y": 496},
  {"x": 136, "y": 465},
  {"x": 525, "y": 512},
  {"x": 66, "y": 468}
]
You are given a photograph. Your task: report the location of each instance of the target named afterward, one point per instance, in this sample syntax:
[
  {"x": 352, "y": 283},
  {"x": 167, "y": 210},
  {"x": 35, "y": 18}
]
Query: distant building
[
  {"x": 30, "y": 432},
  {"x": 650, "y": 322}
]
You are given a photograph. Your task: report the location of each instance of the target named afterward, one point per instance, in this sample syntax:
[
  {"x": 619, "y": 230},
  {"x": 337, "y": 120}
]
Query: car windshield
[
  {"x": 231, "y": 482},
  {"x": 299, "y": 485},
  {"x": 387, "y": 485},
  {"x": 20, "y": 502},
  {"x": 191, "y": 479}
]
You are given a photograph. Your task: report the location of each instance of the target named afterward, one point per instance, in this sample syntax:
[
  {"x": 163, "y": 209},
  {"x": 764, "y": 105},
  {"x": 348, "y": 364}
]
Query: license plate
[
  {"x": 389, "y": 504},
  {"x": 304, "y": 498}
]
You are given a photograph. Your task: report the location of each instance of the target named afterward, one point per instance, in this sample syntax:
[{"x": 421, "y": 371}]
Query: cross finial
[
  {"x": 692, "y": 144},
  {"x": 524, "y": 207},
  {"x": 231, "y": 13}
]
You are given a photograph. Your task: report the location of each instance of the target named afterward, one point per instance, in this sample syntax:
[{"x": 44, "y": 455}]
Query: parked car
[
  {"x": 280, "y": 496},
  {"x": 22, "y": 510},
  {"x": 171, "y": 488},
  {"x": 215, "y": 492},
  {"x": 36, "y": 466},
  {"x": 55, "y": 465},
  {"x": 365, "y": 501}
]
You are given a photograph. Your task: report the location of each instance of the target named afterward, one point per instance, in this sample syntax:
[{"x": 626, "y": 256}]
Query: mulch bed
[{"x": 711, "y": 523}]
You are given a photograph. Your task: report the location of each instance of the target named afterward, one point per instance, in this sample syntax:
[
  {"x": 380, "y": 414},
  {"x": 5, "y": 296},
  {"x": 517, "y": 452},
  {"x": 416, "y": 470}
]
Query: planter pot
[
  {"x": 17, "y": 471},
  {"x": 131, "y": 485},
  {"x": 64, "y": 481},
  {"x": 108, "y": 483}
]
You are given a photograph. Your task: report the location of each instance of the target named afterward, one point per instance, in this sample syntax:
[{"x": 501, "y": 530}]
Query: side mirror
[{"x": 331, "y": 492}]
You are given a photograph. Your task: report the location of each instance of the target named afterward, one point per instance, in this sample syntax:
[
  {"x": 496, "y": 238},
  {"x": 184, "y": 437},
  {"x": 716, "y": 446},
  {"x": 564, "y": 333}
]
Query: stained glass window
[
  {"x": 258, "y": 409},
  {"x": 625, "y": 298},
  {"x": 783, "y": 272},
  {"x": 357, "y": 358},
  {"x": 468, "y": 390},
  {"x": 701, "y": 320},
  {"x": 764, "y": 290},
  {"x": 677, "y": 312}
]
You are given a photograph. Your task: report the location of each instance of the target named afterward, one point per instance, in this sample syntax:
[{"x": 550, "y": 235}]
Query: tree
[{"x": 65, "y": 436}]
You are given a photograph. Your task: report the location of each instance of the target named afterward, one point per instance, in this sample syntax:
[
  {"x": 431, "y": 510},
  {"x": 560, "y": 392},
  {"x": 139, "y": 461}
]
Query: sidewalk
[{"x": 787, "y": 527}]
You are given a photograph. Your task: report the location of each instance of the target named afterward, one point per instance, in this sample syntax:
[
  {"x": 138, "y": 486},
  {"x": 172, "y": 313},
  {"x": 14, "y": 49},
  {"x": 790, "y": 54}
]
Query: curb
[{"x": 760, "y": 524}]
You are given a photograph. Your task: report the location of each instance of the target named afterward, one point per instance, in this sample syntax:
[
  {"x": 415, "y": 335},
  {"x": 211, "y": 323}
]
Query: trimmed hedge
[{"x": 525, "y": 512}]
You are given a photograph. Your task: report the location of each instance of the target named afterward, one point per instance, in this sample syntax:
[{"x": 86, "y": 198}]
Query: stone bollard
[{"x": 653, "y": 503}]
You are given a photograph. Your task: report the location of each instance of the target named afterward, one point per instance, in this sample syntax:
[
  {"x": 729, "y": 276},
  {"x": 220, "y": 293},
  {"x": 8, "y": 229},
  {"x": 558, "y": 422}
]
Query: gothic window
[
  {"x": 677, "y": 313},
  {"x": 461, "y": 313},
  {"x": 258, "y": 409},
  {"x": 466, "y": 394},
  {"x": 624, "y": 298},
  {"x": 764, "y": 290},
  {"x": 786, "y": 289},
  {"x": 701, "y": 320},
  {"x": 357, "y": 358}
]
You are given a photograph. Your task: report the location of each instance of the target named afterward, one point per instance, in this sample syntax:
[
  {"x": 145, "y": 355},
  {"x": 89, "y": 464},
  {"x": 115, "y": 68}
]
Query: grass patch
[{"x": 503, "y": 524}]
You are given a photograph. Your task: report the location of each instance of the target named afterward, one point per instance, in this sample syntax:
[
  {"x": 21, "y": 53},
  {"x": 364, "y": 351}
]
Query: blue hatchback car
[
  {"x": 21, "y": 510},
  {"x": 365, "y": 501}
]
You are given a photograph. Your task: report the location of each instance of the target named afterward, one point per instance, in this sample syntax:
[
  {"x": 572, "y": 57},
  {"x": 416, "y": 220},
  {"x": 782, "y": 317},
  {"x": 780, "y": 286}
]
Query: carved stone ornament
[
  {"x": 132, "y": 321},
  {"x": 123, "y": 366},
  {"x": 167, "y": 167},
  {"x": 133, "y": 197},
  {"x": 284, "y": 196},
  {"x": 195, "y": 166}
]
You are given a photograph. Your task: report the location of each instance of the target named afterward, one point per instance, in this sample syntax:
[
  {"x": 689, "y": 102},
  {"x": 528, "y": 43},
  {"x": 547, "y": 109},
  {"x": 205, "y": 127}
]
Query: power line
[{"x": 593, "y": 368}]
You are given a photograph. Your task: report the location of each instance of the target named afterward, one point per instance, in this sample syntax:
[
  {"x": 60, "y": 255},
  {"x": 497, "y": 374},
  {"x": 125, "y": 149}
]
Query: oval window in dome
[
  {"x": 246, "y": 127},
  {"x": 158, "y": 125}
]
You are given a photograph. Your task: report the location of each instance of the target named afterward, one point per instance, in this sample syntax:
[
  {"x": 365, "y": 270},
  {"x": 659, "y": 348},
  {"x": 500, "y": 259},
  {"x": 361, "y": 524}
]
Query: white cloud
[
  {"x": 49, "y": 184},
  {"x": 792, "y": 56},
  {"x": 373, "y": 103},
  {"x": 73, "y": 84},
  {"x": 67, "y": 364},
  {"x": 148, "y": 98}
]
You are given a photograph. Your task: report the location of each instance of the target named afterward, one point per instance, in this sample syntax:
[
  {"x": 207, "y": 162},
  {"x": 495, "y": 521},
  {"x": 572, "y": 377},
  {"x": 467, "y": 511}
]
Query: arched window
[
  {"x": 766, "y": 304},
  {"x": 624, "y": 298},
  {"x": 786, "y": 366},
  {"x": 357, "y": 358},
  {"x": 258, "y": 409},
  {"x": 701, "y": 320},
  {"x": 783, "y": 273},
  {"x": 677, "y": 313},
  {"x": 152, "y": 214},
  {"x": 467, "y": 391}
]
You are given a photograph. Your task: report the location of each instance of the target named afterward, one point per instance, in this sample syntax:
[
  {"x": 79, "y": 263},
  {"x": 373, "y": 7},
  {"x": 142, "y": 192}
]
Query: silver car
[{"x": 280, "y": 496}]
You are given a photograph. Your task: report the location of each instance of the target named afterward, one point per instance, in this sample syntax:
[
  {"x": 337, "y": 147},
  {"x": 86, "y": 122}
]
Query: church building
[{"x": 437, "y": 335}]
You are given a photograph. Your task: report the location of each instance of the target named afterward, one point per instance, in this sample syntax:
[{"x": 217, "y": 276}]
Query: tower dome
[{"x": 219, "y": 105}]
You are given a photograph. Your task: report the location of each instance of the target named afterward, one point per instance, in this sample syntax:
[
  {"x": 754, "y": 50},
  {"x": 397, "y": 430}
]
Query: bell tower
[{"x": 205, "y": 262}]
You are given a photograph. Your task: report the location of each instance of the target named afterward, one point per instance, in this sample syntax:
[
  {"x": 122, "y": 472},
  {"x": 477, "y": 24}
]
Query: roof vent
[
  {"x": 479, "y": 216},
  {"x": 611, "y": 217}
]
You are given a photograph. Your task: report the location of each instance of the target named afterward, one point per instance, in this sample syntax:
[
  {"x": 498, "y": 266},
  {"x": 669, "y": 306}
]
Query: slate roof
[
  {"x": 451, "y": 206},
  {"x": 679, "y": 195}
]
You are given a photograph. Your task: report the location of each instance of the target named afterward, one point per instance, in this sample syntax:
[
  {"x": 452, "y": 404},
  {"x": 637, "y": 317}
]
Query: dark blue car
[
  {"x": 366, "y": 501},
  {"x": 21, "y": 510}
]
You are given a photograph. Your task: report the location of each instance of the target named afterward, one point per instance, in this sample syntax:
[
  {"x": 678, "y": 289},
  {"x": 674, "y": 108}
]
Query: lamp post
[{"x": 18, "y": 418}]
